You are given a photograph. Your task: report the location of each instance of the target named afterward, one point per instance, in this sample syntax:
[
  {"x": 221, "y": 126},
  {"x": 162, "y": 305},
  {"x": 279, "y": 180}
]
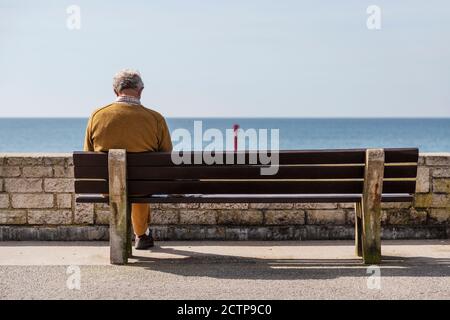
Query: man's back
[{"x": 127, "y": 126}]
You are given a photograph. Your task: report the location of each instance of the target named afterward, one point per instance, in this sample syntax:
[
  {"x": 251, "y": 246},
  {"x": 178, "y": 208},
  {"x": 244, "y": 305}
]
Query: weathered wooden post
[
  {"x": 371, "y": 206},
  {"x": 118, "y": 202},
  {"x": 130, "y": 232},
  {"x": 358, "y": 229}
]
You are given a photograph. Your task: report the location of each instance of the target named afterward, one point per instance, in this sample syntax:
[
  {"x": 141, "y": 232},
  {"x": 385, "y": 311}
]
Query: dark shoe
[{"x": 144, "y": 242}]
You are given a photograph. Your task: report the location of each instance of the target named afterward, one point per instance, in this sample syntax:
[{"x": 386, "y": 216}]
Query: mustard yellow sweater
[{"x": 127, "y": 126}]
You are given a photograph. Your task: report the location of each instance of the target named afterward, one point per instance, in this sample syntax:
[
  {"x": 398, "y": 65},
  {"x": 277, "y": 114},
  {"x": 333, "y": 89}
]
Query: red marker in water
[{"x": 235, "y": 130}]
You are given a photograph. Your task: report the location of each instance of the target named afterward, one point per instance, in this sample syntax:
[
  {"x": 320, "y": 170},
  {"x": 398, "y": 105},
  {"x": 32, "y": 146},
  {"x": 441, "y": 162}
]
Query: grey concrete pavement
[{"x": 225, "y": 270}]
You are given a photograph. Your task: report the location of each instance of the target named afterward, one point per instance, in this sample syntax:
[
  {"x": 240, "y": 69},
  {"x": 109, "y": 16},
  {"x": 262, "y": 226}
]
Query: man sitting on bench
[{"x": 126, "y": 124}]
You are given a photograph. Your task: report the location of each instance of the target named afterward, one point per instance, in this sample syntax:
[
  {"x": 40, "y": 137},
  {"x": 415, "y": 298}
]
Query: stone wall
[{"x": 37, "y": 203}]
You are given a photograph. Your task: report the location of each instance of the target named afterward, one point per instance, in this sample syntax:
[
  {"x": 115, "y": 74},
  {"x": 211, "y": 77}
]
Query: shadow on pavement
[{"x": 235, "y": 267}]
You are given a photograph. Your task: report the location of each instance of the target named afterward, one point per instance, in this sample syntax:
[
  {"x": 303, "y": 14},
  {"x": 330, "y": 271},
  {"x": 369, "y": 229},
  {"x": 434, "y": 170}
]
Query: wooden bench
[{"x": 366, "y": 177}]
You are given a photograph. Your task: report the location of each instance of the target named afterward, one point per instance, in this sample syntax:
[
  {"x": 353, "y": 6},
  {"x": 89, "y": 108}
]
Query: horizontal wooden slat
[
  {"x": 407, "y": 171},
  {"x": 285, "y": 157},
  {"x": 226, "y": 172},
  {"x": 399, "y": 187},
  {"x": 224, "y": 187},
  {"x": 243, "y": 187},
  {"x": 399, "y": 155},
  {"x": 91, "y": 186},
  {"x": 91, "y": 172},
  {"x": 337, "y": 156},
  {"x": 90, "y": 159},
  {"x": 249, "y": 199},
  {"x": 262, "y": 187},
  {"x": 246, "y": 187},
  {"x": 245, "y": 172}
]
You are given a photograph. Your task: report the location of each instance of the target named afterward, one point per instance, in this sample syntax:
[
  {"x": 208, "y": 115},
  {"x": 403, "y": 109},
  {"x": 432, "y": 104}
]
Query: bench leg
[
  {"x": 129, "y": 233},
  {"x": 119, "y": 206},
  {"x": 371, "y": 240},
  {"x": 371, "y": 206},
  {"x": 358, "y": 229},
  {"x": 118, "y": 234}
]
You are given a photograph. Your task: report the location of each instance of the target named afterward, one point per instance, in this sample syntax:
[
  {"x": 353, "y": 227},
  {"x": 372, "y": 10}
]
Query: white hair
[{"x": 127, "y": 79}]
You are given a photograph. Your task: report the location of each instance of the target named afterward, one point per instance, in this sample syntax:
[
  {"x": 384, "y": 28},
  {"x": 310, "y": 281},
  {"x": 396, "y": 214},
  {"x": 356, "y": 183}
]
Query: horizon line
[{"x": 256, "y": 117}]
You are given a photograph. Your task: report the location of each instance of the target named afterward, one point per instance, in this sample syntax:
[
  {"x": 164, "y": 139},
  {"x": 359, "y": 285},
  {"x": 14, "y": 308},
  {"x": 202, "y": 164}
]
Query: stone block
[
  {"x": 178, "y": 205},
  {"x": 315, "y": 206},
  {"x": 336, "y": 217},
  {"x": 213, "y": 206},
  {"x": 441, "y": 172},
  {"x": 32, "y": 200},
  {"x": 49, "y": 217},
  {"x": 24, "y": 160},
  {"x": 23, "y": 185},
  {"x": 418, "y": 217},
  {"x": 84, "y": 213},
  {"x": 101, "y": 206},
  {"x": 102, "y": 216},
  {"x": 423, "y": 200},
  {"x": 162, "y": 217},
  {"x": 37, "y": 172},
  {"x": 438, "y": 159},
  {"x": 4, "y": 200},
  {"x": 430, "y": 200},
  {"x": 421, "y": 160},
  {"x": 350, "y": 214},
  {"x": 349, "y": 205},
  {"x": 440, "y": 216},
  {"x": 396, "y": 205},
  {"x": 197, "y": 217},
  {"x": 423, "y": 180},
  {"x": 59, "y": 185},
  {"x": 441, "y": 185},
  {"x": 63, "y": 172},
  {"x": 441, "y": 201},
  {"x": 10, "y": 172},
  {"x": 240, "y": 217},
  {"x": 64, "y": 200},
  {"x": 407, "y": 217},
  {"x": 276, "y": 206},
  {"x": 280, "y": 217},
  {"x": 13, "y": 217},
  {"x": 55, "y": 160}
]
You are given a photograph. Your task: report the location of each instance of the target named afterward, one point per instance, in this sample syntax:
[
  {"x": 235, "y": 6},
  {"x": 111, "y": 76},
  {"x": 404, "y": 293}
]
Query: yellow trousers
[{"x": 140, "y": 217}]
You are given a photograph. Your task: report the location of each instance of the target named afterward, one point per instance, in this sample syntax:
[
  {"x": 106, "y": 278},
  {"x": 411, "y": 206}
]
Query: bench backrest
[{"x": 299, "y": 172}]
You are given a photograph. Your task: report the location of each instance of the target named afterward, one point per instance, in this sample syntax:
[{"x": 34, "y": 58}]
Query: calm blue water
[{"x": 66, "y": 135}]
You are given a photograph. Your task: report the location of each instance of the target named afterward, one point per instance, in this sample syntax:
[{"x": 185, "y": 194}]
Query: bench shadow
[{"x": 192, "y": 264}]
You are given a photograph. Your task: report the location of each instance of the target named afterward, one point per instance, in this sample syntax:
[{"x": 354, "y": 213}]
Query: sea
[{"x": 67, "y": 134}]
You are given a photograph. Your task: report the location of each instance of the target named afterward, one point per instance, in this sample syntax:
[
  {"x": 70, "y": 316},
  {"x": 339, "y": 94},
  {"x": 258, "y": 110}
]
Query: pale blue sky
[{"x": 234, "y": 58}]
